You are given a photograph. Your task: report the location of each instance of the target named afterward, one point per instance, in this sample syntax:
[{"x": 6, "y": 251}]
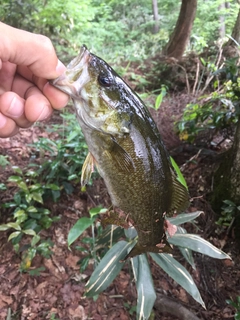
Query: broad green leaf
[
  {"x": 31, "y": 173},
  {"x": 17, "y": 198},
  {"x": 15, "y": 179},
  {"x": 72, "y": 177},
  {"x": 97, "y": 210},
  {"x": 109, "y": 235},
  {"x": 184, "y": 217},
  {"x": 72, "y": 135},
  {"x": 145, "y": 288},
  {"x": 4, "y": 227},
  {"x": 198, "y": 244},
  {"x": 35, "y": 240},
  {"x": 28, "y": 197},
  {"x": 35, "y": 187},
  {"x": 179, "y": 173},
  {"x": 14, "y": 235},
  {"x": 159, "y": 99},
  {"x": 79, "y": 227},
  {"x": 45, "y": 211},
  {"x": 32, "y": 209},
  {"x": 135, "y": 262},
  {"x": 187, "y": 253},
  {"x": 130, "y": 233},
  {"x": 176, "y": 271},
  {"x": 14, "y": 225},
  {"x": 23, "y": 186},
  {"x": 29, "y": 232},
  {"x": 37, "y": 196},
  {"x": 3, "y": 186},
  {"x": 52, "y": 186},
  {"x": 108, "y": 268},
  {"x": 17, "y": 169},
  {"x": 9, "y": 205}
]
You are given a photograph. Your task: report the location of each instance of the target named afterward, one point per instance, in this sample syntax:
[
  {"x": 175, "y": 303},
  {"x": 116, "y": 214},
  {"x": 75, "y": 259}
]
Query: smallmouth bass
[{"x": 125, "y": 146}]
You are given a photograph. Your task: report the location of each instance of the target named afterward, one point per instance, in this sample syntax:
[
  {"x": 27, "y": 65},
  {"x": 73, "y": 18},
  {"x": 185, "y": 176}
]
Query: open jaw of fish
[{"x": 125, "y": 146}]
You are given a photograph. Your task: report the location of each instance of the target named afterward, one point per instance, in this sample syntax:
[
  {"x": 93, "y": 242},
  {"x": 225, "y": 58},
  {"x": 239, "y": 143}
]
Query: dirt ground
[{"x": 57, "y": 292}]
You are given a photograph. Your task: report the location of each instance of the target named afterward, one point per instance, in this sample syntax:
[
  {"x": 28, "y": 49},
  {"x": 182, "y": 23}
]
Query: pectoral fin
[
  {"x": 87, "y": 169},
  {"x": 180, "y": 197},
  {"x": 120, "y": 157}
]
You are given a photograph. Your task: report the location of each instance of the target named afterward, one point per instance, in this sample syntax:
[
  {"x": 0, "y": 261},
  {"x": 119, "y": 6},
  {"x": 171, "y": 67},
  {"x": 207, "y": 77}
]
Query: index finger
[{"x": 31, "y": 50}]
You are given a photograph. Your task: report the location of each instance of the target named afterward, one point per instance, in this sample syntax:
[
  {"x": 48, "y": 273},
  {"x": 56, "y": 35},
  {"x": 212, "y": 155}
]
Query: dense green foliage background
[{"x": 115, "y": 29}]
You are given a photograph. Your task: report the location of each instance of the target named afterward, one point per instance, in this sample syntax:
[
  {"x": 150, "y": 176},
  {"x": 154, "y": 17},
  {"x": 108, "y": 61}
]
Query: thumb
[{"x": 32, "y": 50}]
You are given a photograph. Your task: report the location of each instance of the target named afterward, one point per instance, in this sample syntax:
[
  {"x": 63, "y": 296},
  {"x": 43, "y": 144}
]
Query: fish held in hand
[{"x": 125, "y": 146}]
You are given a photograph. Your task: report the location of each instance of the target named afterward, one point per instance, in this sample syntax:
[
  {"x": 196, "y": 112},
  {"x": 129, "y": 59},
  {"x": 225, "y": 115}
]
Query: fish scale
[{"x": 126, "y": 147}]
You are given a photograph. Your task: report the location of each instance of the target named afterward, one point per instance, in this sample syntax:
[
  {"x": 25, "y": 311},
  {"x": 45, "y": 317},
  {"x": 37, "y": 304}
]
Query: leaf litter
[{"x": 58, "y": 290}]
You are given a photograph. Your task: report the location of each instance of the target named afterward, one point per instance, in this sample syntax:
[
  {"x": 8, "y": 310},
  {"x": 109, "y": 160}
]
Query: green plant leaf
[
  {"x": 160, "y": 97},
  {"x": 36, "y": 238},
  {"x": 79, "y": 227},
  {"x": 108, "y": 236},
  {"x": 15, "y": 179},
  {"x": 37, "y": 272},
  {"x": 14, "y": 235},
  {"x": 145, "y": 287},
  {"x": 37, "y": 196},
  {"x": 3, "y": 186},
  {"x": 73, "y": 176},
  {"x": 35, "y": 187},
  {"x": 97, "y": 210},
  {"x": 130, "y": 233},
  {"x": 176, "y": 271},
  {"x": 17, "y": 170},
  {"x": 198, "y": 244},
  {"x": 29, "y": 232},
  {"x": 187, "y": 253},
  {"x": 14, "y": 225},
  {"x": 179, "y": 173},
  {"x": 23, "y": 186},
  {"x": 32, "y": 209},
  {"x": 184, "y": 217},
  {"x": 52, "y": 186},
  {"x": 28, "y": 197},
  {"x": 108, "y": 268},
  {"x": 4, "y": 227}
]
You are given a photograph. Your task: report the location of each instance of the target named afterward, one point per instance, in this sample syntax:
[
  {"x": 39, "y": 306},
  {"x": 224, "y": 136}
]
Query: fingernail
[
  {"x": 45, "y": 114},
  {"x": 3, "y": 121},
  {"x": 16, "y": 108},
  {"x": 60, "y": 67}
]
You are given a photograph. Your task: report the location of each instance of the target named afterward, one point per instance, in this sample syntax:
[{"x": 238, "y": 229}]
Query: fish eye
[{"x": 105, "y": 81}]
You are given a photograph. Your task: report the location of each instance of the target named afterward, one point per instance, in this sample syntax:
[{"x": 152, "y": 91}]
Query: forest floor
[{"x": 57, "y": 292}]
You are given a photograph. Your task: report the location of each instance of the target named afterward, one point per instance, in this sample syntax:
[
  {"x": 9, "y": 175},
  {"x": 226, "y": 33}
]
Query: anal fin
[{"x": 87, "y": 169}]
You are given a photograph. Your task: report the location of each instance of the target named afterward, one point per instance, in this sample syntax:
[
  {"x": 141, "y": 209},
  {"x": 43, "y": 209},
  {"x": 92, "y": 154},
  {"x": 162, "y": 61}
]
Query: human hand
[{"x": 27, "y": 60}]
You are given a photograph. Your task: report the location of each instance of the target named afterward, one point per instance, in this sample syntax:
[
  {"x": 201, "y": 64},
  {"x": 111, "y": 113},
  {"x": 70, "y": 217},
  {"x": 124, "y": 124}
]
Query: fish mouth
[{"x": 76, "y": 75}]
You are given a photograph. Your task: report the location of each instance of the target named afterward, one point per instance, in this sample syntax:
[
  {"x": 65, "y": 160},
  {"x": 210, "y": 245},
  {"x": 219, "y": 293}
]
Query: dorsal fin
[{"x": 180, "y": 197}]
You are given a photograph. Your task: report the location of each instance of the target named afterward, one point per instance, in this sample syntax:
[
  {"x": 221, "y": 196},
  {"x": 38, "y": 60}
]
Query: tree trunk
[
  {"x": 235, "y": 33},
  {"x": 226, "y": 184},
  {"x": 180, "y": 36},
  {"x": 155, "y": 16},
  {"x": 222, "y": 29}
]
